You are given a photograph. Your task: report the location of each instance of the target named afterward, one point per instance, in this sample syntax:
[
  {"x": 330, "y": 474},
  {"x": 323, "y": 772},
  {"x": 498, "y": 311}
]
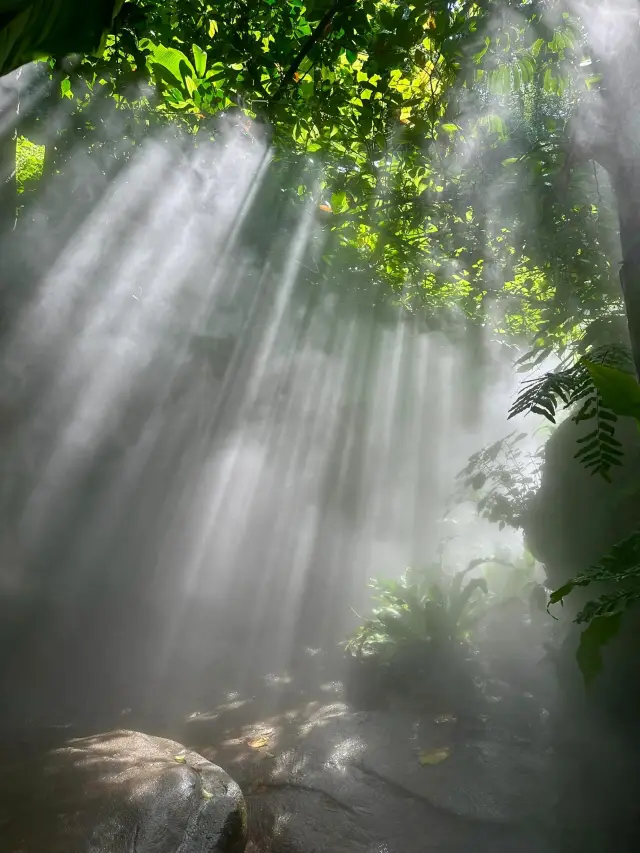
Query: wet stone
[{"x": 116, "y": 793}]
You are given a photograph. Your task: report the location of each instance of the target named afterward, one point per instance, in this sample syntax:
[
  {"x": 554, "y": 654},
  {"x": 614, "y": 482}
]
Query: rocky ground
[{"x": 322, "y": 775}]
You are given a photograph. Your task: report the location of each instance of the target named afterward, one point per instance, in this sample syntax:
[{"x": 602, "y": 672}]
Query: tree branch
[{"x": 310, "y": 43}]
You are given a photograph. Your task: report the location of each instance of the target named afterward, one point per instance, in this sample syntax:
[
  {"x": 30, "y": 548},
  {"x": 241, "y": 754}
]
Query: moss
[{"x": 29, "y": 163}]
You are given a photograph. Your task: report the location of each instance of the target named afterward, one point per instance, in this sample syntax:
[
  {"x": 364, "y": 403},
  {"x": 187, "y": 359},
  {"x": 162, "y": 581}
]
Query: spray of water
[{"x": 217, "y": 449}]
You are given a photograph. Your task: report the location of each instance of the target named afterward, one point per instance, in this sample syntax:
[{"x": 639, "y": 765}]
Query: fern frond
[
  {"x": 620, "y": 564},
  {"x": 608, "y": 605},
  {"x": 602, "y": 615},
  {"x": 600, "y": 450}
]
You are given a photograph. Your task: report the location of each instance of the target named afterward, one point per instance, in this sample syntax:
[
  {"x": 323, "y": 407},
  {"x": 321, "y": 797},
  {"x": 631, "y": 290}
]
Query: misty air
[{"x": 319, "y": 410}]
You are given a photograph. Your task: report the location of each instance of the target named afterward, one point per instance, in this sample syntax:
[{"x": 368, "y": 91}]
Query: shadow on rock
[{"x": 116, "y": 793}]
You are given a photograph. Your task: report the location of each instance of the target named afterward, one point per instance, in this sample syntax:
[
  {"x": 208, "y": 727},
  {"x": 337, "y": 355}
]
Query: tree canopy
[
  {"x": 471, "y": 160},
  {"x": 439, "y": 129}
]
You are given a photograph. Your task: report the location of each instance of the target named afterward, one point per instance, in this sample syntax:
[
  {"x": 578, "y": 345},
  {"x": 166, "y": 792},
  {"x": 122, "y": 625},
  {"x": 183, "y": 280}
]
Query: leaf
[
  {"x": 174, "y": 62},
  {"x": 180, "y": 758},
  {"x": 537, "y": 46},
  {"x": 339, "y": 202},
  {"x": 619, "y": 390},
  {"x": 592, "y": 640},
  {"x": 258, "y": 742},
  {"x": 200, "y": 60},
  {"x": 431, "y": 757},
  {"x": 207, "y": 794},
  {"x": 213, "y": 28},
  {"x": 549, "y": 82}
]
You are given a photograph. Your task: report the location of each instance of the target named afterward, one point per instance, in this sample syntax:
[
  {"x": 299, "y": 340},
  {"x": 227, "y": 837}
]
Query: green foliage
[
  {"x": 516, "y": 579},
  {"x": 501, "y": 479},
  {"x": 619, "y": 570},
  {"x": 424, "y": 119},
  {"x": 29, "y": 163},
  {"x": 423, "y": 611},
  {"x": 606, "y": 368},
  {"x": 618, "y": 389}
]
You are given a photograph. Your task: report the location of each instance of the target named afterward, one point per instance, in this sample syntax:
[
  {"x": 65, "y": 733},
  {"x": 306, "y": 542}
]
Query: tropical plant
[
  {"x": 516, "y": 579},
  {"x": 588, "y": 387},
  {"x": 417, "y": 113},
  {"x": 500, "y": 479},
  {"x": 619, "y": 571},
  {"x": 422, "y": 612}
]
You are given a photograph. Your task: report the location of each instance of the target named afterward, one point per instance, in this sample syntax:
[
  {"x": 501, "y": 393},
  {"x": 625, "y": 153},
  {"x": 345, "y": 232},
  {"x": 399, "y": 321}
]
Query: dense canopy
[
  {"x": 430, "y": 121},
  {"x": 473, "y": 162}
]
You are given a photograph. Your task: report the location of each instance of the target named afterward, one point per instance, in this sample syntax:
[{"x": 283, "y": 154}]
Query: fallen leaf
[
  {"x": 429, "y": 757},
  {"x": 258, "y": 742},
  {"x": 180, "y": 758},
  {"x": 444, "y": 718},
  {"x": 207, "y": 794}
]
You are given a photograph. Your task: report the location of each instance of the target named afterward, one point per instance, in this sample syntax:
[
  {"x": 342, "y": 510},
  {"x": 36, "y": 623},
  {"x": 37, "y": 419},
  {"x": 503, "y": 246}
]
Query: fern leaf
[
  {"x": 620, "y": 564},
  {"x": 600, "y": 450}
]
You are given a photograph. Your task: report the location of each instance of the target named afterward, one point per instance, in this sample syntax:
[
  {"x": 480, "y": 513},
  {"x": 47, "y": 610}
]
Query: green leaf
[
  {"x": 200, "y": 60},
  {"x": 169, "y": 59},
  {"x": 527, "y": 68},
  {"x": 618, "y": 389},
  {"x": 339, "y": 202},
  {"x": 592, "y": 640},
  {"x": 549, "y": 82},
  {"x": 537, "y": 47}
]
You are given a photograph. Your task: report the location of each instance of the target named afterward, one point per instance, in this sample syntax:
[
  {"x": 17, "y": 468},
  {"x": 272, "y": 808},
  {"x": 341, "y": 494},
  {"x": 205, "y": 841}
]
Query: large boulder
[
  {"x": 117, "y": 793},
  {"x": 576, "y": 516}
]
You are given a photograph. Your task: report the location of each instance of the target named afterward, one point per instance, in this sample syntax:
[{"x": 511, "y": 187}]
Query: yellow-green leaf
[
  {"x": 431, "y": 757},
  {"x": 200, "y": 60}
]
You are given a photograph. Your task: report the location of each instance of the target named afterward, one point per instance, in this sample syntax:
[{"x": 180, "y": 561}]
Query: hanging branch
[{"x": 314, "y": 38}]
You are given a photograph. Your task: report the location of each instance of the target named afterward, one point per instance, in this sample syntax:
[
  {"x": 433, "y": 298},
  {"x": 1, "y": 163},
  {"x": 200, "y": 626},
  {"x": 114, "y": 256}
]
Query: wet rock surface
[
  {"x": 321, "y": 776},
  {"x": 318, "y": 774},
  {"x": 117, "y": 793}
]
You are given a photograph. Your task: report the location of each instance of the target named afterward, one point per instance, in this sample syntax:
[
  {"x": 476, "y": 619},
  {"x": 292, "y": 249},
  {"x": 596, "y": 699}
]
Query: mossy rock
[
  {"x": 575, "y": 519},
  {"x": 577, "y": 516}
]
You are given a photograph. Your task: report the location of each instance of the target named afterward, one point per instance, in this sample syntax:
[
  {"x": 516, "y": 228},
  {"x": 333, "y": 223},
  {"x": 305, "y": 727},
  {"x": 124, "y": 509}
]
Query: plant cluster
[
  {"x": 421, "y": 611},
  {"x": 425, "y": 118},
  {"x": 500, "y": 479}
]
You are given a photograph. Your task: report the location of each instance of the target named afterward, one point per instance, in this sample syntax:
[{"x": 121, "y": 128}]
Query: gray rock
[
  {"x": 353, "y": 783},
  {"x": 121, "y": 792}
]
